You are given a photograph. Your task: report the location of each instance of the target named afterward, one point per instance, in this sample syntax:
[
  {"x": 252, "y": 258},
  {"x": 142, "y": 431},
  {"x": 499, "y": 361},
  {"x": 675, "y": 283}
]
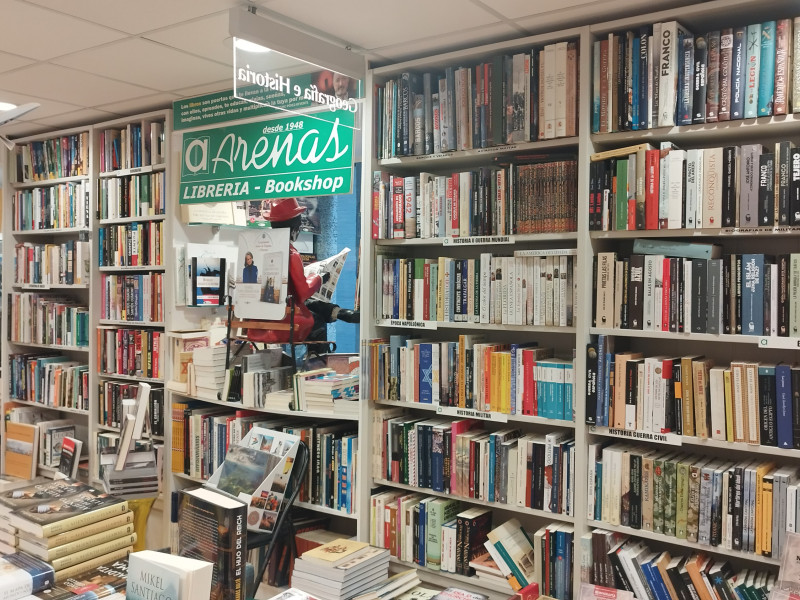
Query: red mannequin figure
[{"x": 285, "y": 212}]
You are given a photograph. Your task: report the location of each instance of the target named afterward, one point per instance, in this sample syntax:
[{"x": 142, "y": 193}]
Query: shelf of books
[
  {"x": 471, "y": 278},
  {"x": 692, "y": 197},
  {"x": 47, "y": 322},
  {"x": 129, "y": 276}
]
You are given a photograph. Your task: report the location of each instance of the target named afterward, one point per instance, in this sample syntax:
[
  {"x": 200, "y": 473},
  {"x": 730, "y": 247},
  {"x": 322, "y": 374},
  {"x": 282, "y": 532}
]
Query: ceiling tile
[
  {"x": 443, "y": 43},
  {"x": 55, "y": 34},
  {"x": 48, "y": 108},
  {"x": 76, "y": 87},
  {"x": 208, "y": 88},
  {"x": 146, "y": 63},
  {"x": 410, "y": 19},
  {"x": 514, "y": 9},
  {"x": 140, "y": 105},
  {"x": 79, "y": 117},
  {"x": 140, "y": 15},
  {"x": 10, "y": 61},
  {"x": 207, "y": 37},
  {"x": 22, "y": 129}
]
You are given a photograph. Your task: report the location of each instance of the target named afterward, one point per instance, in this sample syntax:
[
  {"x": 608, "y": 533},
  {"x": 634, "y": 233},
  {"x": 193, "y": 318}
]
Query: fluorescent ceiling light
[
  {"x": 7, "y": 106},
  {"x": 264, "y": 32},
  {"x": 248, "y": 46}
]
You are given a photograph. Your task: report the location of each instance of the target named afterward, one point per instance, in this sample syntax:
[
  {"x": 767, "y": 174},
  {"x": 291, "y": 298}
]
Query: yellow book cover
[
  {"x": 81, "y": 556},
  {"x": 766, "y": 516},
  {"x": 92, "y": 563},
  {"x": 505, "y": 382},
  {"x": 761, "y": 471},
  {"x": 728, "y": 405},
  {"x": 495, "y": 385},
  {"x": 90, "y": 541},
  {"x": 21, "y": 449},
  {"x": 335, "y": 552}
]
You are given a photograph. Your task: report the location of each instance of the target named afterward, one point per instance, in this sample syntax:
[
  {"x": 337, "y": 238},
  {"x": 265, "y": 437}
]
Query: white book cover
[
  {"x": 263, "y": 296},
  {"x": 561, "y": 89},
  {"x": 717, "y": 399},
  {"x": 712, "y": 188},
  {"x": 550, "y": 90},
  {"x": 691, "y": 187},
  {"x": 671, "y": 33},
  {"x": 485, "y": 287},
  {"x": 652, "y": 264},
  {"x": 675, "y": 162}
]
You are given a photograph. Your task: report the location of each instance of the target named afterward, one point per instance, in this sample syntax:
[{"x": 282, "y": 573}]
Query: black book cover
[
  {"x": 677, "y": 395},
  {"x": 714, "y": 295},
  {"x": 767, "y": 402},
  {"x": 737, "y": 303},
  {"x": 766, "y": 189},
  {"x": 726, "y": 294},
  {"x": 591, "y": 383},
  {"x": 535, "y": 94},
  {"x": 682, "y": 294},
  {"x": 675, "y": 307},
  {"x": 620, "y": 578},
  {"x": 410, "y": 289},
  {"x": 465, "y": 291},
  {"x": 669, "y": 400},
  {"x": 674, "y": 574},
  {"x": 700, "y": 84},
  {"x": 624, "y": 319},
  {"x": 794, "y": 189},
  {"x": 767, "y": 298},
  {"x": 699, "y": 295},
  {"x": 537, "y": 477},
  {"x": 783, "y": 295},
  {"x": 635, "y": 494},
  {"x": 644, "y": 38},
  {"x": 783, "y": 168},
  {"x": 632, "y": 382},
  {"x": 729, "y": 177},
  {"x": 594, "y": 296},
  {"x": 737, "y": 490},
  {"x": 625, "y": 103},
  {"x": 635, "y": 291},
  {"x": 446, "y": 459},
  {"x": 621, "y": 87}
]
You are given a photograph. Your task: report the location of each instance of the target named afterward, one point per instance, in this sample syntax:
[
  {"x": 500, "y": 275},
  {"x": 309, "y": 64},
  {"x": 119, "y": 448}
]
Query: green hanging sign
[{"x": 304, "y": 155}]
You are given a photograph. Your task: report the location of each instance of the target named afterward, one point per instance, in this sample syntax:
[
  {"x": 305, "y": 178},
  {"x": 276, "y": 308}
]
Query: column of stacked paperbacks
[
  {"x": 131, "y": 209},
  {"x": 693, "y": 229},
  {"x": 495, "y": 217},
  {"x": 47, "y": 302}
]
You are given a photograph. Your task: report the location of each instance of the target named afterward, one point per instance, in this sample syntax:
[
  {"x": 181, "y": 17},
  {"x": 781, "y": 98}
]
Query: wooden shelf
[
  {"x": 124, "y": 220},
  {"x": 509, "y": 418},
  {"x": 406, "y": 324},
  {"x": 130, "y": 377},
  {"x": 445, "y": 579},
  {"x": 728, "y": 232},
  {"x": 272, "y": 411},
  {"x": 48, "y": 182},
  {"x": 48, "y": 232},
  {"x": 132, "y": 323},
  {"x": 44, "y": 287},
  {"x": 523, "y": 510},
  {"x": 738, "y": 131},
  {"x": 696, "y": 442},
  {"x": 119, "y": 269},
  {"x": 479, "y": 156},
  {"x": 483, "y": 240},
  {"x": 65, "y": 409},
  {"x": 51, "y": 346},
  {"x": 649, "y": 535},
  {"x": 132, "y": 171}
]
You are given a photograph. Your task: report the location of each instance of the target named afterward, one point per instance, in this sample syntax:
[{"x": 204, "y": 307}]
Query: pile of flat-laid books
[
  {"x": 68, "y": 524},
  {"x": 340, "y": 569}
]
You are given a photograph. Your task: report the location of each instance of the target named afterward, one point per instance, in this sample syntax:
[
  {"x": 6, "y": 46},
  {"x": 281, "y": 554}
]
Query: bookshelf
[
  {"x": 47, "y": 222},
  {"x": 724, "y": 348}
]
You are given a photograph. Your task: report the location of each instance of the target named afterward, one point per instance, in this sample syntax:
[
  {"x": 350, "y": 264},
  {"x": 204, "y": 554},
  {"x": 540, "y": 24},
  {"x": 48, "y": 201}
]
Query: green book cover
[
  {"x": 439, "y": 512},
  {"x": 621, "y": 196},
  {"x": 670, "y": 494},
  {"x": 682, "y": 496}
]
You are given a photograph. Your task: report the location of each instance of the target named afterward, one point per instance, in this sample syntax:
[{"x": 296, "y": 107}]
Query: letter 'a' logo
[{"x": 195, "y": 156}]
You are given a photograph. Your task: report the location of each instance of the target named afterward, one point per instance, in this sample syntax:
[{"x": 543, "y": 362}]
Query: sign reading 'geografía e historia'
[{"x": 295, "y": 156}]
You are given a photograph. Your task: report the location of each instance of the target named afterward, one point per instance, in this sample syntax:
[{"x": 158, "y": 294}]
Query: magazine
[
  {"x": 262, "y": 274},
  {"x": 332, "y": 265}
]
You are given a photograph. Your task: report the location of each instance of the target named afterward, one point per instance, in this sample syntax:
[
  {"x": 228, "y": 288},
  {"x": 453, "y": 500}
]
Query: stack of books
[
  {"x": 68, "y": 524},
  {"x": 208, "y": 373},
  {"x": 340, "y": 569},
  {"x": 332, "y": 393}
]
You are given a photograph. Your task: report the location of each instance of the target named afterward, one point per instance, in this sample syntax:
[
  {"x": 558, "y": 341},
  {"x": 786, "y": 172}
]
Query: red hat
[{"x": 283, "y": 209}]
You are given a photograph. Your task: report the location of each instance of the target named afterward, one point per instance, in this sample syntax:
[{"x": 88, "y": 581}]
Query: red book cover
[
  {"x": 665, "y": 283},
  {"x": 398, "y": 208},
  {"x": 156, "y": 354},
  {"x": 472, "y": 454},
  {"x": 528, "y": 383},
  {"x": 651, "y": 190},
  {"x": 454, "y": 210},
  {"x": 426, "y": 291},
  {"x": 449, "y": 200}
]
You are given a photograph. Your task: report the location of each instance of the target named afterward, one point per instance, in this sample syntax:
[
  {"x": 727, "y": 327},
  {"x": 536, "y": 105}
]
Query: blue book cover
[
  {"x": 450, "y": 79},
  {"x": 453, "y": 300},
  {"x": 738, "y": 69},
  {"x": 752, "y": 294},
  {"x": 425, "y": 375},
  {"x": 601, "y": 379},
  {"x": 437, "y": 460},
  {"x": 465, "y": 291},
  {"x": 685, "y": 80},
  {"x": 569, "y": 389},
  {"x": 596, "y": 87},
  {"x": 635, "y": 97},
  {"x": 766, "y": 77},
  {"x": 557, "y": 467},
  {"x": 607, "y": 391},
  {"x": 752, "y": 70},
  {"x": 783, "y": 383},
  {"x": 654, "y": 580},
  {"x": 598, "y": 490},
  {"x": 423, "y": 513},
  {"x": 561, "y": 567},
  {"x": 36, "y": 574},
  {"x": 395, "y": 343},
  {"x": 396, "y": 289}
]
